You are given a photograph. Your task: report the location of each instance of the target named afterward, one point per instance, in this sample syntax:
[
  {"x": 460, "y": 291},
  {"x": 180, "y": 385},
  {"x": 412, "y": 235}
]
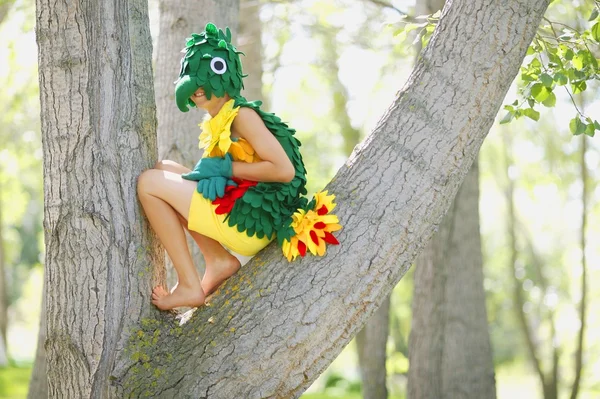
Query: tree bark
[
  {"x": 371, "y": 341},
  {"x": 38, "y": 384},
  {"x": 274, "y": 326},
  {"x": 371, "y": 347},
  {"x": 99, "y": 133},
  {"x": 450, "y": 353},
  {"x": 449, "y": 348},
  {"x": 250, "y": 43}
]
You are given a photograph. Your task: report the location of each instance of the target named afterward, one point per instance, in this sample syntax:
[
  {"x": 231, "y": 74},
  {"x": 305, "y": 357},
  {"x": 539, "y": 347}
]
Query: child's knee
[
  {"x": 144, "y": 181},
  {"x": 162, "y": 165}
]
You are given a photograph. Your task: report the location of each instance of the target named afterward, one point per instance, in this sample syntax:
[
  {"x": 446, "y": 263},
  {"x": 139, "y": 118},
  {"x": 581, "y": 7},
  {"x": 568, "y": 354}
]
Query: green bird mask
[{"x": 210, "y": 62}]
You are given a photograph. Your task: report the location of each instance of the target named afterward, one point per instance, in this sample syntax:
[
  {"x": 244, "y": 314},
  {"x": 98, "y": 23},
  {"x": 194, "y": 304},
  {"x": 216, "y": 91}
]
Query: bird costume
[{"x": 245, "y": 215}]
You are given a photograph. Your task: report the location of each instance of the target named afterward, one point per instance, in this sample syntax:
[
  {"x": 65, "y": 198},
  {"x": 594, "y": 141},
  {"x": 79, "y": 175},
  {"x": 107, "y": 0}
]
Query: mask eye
[{"x": 218, "y": 65}]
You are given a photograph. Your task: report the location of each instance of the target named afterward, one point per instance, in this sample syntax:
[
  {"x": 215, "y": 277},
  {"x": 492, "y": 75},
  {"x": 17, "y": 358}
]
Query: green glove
[
  {"x": 213, "y": 187},
  {"x": 211, "y": 167}
]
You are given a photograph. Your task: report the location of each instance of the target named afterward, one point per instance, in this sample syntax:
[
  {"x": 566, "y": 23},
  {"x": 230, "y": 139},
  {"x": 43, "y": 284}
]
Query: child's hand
[
  {"x": 214, "y": 187},
  {"x": 211, "y": 167}
]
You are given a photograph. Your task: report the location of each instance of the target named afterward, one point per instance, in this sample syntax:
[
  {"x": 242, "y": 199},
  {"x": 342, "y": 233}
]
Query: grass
[{"x": 14, "y": 381}]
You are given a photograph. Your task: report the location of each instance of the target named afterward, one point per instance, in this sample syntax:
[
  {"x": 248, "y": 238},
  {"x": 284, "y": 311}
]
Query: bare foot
[
  {"x": 217, "y": 272},
  {"x": 180, "y": 296}
]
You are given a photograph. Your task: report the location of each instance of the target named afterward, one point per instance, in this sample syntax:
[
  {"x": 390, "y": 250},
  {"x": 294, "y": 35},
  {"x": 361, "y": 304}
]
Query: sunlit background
[{"x": 303, "y": 66}]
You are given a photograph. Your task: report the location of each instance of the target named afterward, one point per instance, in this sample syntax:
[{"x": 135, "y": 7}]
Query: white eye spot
[{"x": 218, "y": 65}]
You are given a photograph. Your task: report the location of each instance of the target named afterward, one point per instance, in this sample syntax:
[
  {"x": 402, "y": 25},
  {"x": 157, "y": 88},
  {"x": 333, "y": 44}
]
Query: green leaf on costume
[
  {"x": 596, "y": 125},
  {"x": 594, "y": 15},
  {"x": 550, "y": 101}
]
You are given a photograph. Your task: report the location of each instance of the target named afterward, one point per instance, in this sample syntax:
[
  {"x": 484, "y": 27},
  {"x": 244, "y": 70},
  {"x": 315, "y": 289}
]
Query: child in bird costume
[{"x": 246, "y": 190}]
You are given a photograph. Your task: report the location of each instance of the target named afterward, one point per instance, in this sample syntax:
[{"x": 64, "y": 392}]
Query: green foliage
[
  {"x": 559, "y": 58},
  {"x": 14, "y": 382},
  {"x": 419, "y": 29}
]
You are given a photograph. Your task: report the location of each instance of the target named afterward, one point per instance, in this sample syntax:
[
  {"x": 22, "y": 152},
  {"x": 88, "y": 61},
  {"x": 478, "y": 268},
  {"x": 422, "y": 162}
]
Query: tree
[
  {"x": 273, "y": 327},
  {"x": 250, "y": 43},
  {"x": 450, "y": 352},
  {"x": 99, "y": 132},
  {"x": 449, "y": 347}
]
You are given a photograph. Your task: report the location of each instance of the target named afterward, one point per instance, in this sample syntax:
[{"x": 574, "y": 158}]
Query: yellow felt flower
[
  {"x": 313, "y": 228},
  {"x": 216, "y": 131}
]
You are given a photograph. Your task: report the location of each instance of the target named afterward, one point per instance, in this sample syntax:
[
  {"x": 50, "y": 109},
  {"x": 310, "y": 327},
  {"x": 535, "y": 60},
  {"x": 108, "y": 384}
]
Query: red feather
[
  {"x": 232, "y": 193},
  {"x": 313, "y": 237},
  {"x": 330, "y": 239},
  {"x": 302, "y": 248}
]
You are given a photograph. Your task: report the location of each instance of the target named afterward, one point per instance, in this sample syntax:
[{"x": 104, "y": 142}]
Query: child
[{"x": 245, "y": 189}]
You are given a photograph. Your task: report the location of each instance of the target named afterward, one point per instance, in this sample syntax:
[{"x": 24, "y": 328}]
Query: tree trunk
[
  {"x": 274, "y": 326},
  {"x": 3, "y": 354},
  {"x": 548, "y": 383},
  {"x": 99, "y": 133},
  {"x": 371, "y": 347},
  {"x": 38, "y": 383},
  {"x": 450, "y": 353},
  {"x": 371, "y": 341},
  {"x": 449, "y": 348},
  {"x": 250, "y": 43},
  {"x": 583, "y": 300}
]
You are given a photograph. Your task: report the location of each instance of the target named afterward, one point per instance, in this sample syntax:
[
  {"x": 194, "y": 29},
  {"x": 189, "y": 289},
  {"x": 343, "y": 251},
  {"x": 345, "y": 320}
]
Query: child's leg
[
  {"x": 220, "y": 264},
  {"x": 163, "y": 196}
]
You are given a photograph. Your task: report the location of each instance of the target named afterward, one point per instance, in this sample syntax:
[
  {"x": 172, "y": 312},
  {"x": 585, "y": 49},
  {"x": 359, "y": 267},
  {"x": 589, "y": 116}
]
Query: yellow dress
[{"x": 216, "y": 140}]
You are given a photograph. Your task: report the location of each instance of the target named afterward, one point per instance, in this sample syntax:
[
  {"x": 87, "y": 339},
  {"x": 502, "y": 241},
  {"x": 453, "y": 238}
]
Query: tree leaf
[
  {"x": 550, "y": 101},
  {"x": 532, "y": 114},
  {"x": 546, "y": 80},
  {"x": 590, "y": 130},
  {"x": 576, "y": 126},
  {"x": 594, "y": 15},
  {"x": 578, "y": 61},
  {"x": 596, "y": 31},
  {"x": 540, "y": 92},
  {"x": 561, "y": 79},
  {"x": 569, "y": 54},
  {"x": 507, "y": 118},
  {"x": 578, "y": 87}
]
